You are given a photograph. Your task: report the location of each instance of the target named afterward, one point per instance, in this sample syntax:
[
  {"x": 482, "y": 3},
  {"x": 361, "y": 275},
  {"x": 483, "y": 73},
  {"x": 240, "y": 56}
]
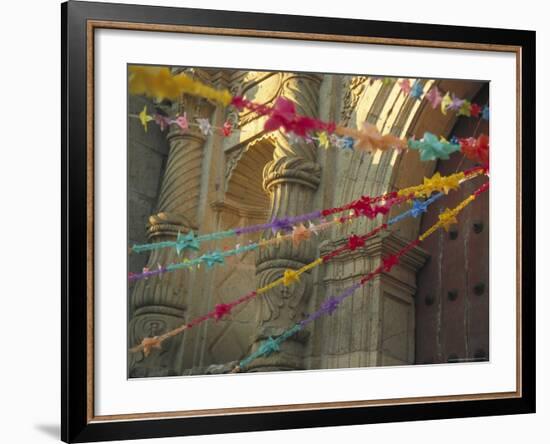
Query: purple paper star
[
  {"x": 456, "y": 103},
  {"x": 330, "y": 305}
]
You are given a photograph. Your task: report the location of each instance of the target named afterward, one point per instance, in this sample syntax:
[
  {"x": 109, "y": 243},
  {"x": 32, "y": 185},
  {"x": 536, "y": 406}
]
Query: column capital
[{"x": 292, "y": 170}]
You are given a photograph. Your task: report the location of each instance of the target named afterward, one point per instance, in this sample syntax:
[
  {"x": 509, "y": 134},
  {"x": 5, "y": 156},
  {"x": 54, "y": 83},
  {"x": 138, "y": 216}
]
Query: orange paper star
[
  {"x": 147, "y": 345},
  {"x": 368, "y": 138},
  {"x": 300, "y": 233}
]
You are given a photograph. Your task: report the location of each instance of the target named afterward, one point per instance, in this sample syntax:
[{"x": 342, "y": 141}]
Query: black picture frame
[{"x": 77, "y": 424}]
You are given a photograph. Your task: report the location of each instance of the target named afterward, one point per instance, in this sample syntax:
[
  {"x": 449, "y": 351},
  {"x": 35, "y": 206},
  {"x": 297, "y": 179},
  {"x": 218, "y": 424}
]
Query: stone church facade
[{"x": 432, "y": 308}]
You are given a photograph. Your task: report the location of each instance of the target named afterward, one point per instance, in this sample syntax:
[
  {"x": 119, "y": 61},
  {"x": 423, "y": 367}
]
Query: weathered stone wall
[{"x": 147, "y": 153}]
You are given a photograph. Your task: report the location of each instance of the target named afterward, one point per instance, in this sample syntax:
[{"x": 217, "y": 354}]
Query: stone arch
[
  {"x": 392, "y": 112},
  {"x": 244, "y": 179}
]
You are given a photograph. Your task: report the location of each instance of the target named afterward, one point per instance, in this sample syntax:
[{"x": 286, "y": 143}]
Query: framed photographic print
[{"x": 277, "y": 221}]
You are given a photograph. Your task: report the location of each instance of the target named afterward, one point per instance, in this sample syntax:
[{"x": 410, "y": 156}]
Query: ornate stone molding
[
  {"x": 291, "y": 178},
  {"x": 353, "y": 87},
  {"x": 294, "y": 170}
]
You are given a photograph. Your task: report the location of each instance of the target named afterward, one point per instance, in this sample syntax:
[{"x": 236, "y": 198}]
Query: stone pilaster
[
  {"x": 159, "y": 304},
  {"x": 376, "y": 325},
  {"x": 291, "y": 179}
]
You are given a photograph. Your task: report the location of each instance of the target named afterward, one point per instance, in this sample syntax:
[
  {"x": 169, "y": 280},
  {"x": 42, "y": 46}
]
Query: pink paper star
[
  {"x": 434, "y": 97},
  {"x": 405, "y": 86}
]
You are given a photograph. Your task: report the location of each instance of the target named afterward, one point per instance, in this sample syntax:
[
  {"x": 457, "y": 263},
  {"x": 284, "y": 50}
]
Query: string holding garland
[
  {"x": 363, "y": 206},
  {"x": 444, "y": 102},
  {"x": 331, "y": 304},
  {"x": 368, "y": 139},
  {"x": 161, "y": 83},
  {"x": 289, "y": 277},
  {"x": 220, "y": 310},
  {"x": 296, "y": 233}
]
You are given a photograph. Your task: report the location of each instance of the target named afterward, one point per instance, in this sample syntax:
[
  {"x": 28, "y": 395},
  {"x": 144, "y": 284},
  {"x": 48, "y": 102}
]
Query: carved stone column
[
  {"x": 291, "y": 179},
  {"x": 158, "y": 304}
]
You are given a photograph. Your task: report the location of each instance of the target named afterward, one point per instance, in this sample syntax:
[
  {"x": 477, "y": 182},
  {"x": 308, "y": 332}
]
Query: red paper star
[
  {"x": 355, "y": 242},
  {"x": 227, "y": 129},
  {"x": 389, "y": 262},
  {"x": 476, "y": 149},
  {"x": 475, "y": 109},
  {"x": 220, "y": 310}
]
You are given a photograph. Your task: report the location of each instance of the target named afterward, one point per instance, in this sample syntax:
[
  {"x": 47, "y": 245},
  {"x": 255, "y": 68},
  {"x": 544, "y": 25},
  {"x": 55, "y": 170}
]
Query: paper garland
[
  {"x": 367, "y": 139},
  {"x": 332, "y": 303},
  {"x": 297, "y": 234},
  {"x": 161, "y": 83},
  {"x": 447, "y": 102},
  {"x": 289, "y": 277},
  {"x": 364, "y": 206}
]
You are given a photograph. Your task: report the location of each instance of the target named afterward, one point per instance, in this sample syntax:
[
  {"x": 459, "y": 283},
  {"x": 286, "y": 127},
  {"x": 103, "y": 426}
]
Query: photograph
[{"x": 305, "y": 221}]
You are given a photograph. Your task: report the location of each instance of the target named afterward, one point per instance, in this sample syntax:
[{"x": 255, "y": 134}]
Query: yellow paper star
[
  {"x": 429, "y": 186},
  {"x": 299, "y": 234},
  {"x": 451, "y": 182},
  {"x": 324, "y": 141},
  {"x": 290, "y": 276},
  {"x": 161, "y": 83},
  {"x": 434, "y": 183},
  {"x": 144, "y": 118},
  {"x": 438, "y": 183},
  {"x": 447, "y": 218},
  {"x": 445, "y": 102}
]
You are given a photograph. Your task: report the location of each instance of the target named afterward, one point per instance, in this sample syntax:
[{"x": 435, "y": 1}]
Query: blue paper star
[
  {"x": 417, "y": 90},
  {"x": 269, "y": 346},
  {"x": 485, "y": 113},
  {"x": 213, "y": 258},
  {"x": 189, "y": 241},
  {"x": 290, "y": 332},
  {"x": 347, "y": 143},
  {"x": 431, "y": 148},
  {"x": 418, "y": 208}
]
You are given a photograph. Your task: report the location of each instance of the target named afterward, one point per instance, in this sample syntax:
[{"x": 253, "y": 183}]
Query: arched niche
[
  {"x": 245, "y": 193},
  {"x": 245, "y": 203}
]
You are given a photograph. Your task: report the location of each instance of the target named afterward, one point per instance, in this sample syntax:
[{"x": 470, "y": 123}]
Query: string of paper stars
[
  {"x": 161, "y": 83},
  {"x": 446, "y": 219},
  {"x": 290, "y": 276},
  {"x": 364, "y": 206}
]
